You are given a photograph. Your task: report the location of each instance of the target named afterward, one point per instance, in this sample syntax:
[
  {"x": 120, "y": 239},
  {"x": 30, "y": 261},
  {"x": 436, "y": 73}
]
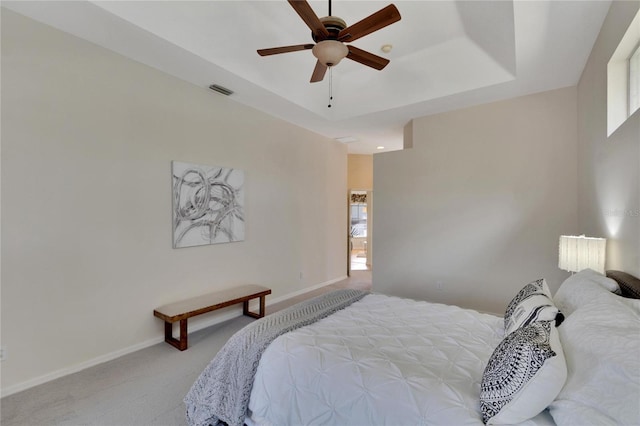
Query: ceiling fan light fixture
[{"x": 330, "y": 52}]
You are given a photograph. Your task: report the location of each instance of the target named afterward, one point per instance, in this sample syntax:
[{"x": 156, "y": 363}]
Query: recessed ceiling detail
[{"x": 446, "y": 54}]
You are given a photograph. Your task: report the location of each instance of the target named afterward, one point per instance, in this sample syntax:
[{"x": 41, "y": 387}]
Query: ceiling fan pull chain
[{"x": 330, "y": 86}]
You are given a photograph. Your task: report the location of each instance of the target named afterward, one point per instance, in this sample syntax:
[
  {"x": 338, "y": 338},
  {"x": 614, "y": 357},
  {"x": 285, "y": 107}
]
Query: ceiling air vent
[{"x": 221, "y": 89}]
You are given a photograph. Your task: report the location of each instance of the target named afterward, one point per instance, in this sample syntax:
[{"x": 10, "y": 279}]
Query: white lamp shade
[
  {"x": 579, "y": 252},
  {"x": 330, "y": 52}
]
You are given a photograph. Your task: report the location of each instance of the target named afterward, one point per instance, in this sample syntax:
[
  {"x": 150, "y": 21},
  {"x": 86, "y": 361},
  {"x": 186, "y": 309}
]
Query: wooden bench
[{"x": 185, "y": 309}]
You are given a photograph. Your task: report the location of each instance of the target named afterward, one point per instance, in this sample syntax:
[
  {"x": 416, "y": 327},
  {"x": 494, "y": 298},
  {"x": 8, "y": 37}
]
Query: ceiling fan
[{"x": 331, "y": 33}]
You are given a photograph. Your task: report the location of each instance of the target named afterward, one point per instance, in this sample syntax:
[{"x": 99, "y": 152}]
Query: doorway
[{"x": 360, "y": 237}]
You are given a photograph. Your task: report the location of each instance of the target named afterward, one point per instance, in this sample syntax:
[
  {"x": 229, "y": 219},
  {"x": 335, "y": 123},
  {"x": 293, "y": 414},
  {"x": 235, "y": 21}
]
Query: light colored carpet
[{"x": 142, "y": 388}]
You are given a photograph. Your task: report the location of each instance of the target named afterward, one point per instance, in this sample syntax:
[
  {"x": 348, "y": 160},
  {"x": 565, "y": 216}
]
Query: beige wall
[
  {"x": 360, "y": 172},
  {"x": 87, "y": 143},
  {"x": 477, "y": 205},
  {"x": 609, "y": 167}
]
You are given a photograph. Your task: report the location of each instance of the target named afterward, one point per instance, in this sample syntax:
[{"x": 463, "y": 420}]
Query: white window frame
[
  {"x": 634, "y": 81},
  {"x": 619, "y": 77}
]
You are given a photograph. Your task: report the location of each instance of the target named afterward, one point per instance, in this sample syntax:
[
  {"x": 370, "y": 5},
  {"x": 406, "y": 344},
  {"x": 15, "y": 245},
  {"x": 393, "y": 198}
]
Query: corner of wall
[
  {"x": 609, "y": 166},
  {"x": 408, "y": 135}
]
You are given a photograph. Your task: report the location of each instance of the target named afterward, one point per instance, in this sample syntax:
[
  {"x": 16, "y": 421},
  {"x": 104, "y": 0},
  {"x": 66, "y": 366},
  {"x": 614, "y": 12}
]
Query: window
[
  {"x": 623, "y": 78},
  {"x": 634, "y": 81},
  {"x": 358, "y": 206},
  {"x": 358, "y": 220}
]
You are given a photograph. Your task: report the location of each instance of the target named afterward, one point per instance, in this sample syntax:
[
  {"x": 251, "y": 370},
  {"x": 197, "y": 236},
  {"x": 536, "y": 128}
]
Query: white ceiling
[{"x": 446, "y": 54}]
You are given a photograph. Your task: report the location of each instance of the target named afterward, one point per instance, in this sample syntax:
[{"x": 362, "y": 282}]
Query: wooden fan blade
[
  {"x": 366, "y": 58},
  {"x": 318, "y": 72},
  {"x": 371, "y": 23},
  {"x": 310, "y": 18},
  {"x": 284, "y": 49}
]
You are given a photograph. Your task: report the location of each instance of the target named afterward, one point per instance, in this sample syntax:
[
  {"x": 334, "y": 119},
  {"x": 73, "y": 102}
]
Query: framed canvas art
[{"x": 208, "y": 204}]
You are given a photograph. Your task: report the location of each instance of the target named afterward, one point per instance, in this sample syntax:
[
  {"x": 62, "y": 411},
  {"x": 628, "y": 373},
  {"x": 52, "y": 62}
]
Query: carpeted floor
[{"x": 142, "y": 388}]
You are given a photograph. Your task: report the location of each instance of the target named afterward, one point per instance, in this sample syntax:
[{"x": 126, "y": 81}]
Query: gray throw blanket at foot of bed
[{"x": 222, "y": 391}]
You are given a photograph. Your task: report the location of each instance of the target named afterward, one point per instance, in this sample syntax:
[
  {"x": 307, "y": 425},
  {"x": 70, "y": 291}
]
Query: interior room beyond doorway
[{"x": 359, "y": 230}]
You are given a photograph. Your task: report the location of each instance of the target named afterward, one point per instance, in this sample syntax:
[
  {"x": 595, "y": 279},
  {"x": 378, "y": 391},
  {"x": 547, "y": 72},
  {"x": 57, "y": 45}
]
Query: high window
[
  {"x": 634, "y": 81},
  {"x": 623, "y": 78}
]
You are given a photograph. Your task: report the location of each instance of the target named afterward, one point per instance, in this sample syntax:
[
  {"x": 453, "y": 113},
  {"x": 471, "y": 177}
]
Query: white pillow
[
  {"x": 601, "y": 342},
  {"x": 532, "y": 303},
  {"x": 523, "y": 376},
  {"x": 581, "y": 288}
]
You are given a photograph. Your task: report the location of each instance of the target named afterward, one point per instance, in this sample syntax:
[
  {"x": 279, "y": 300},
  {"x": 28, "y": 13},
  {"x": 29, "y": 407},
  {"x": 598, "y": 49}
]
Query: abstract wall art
[{"x": 208, "y": 204}]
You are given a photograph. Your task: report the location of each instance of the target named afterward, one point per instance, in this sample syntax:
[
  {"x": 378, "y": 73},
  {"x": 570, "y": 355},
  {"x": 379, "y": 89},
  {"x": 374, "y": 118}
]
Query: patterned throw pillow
[
  {"x": 532, "y": 303},
  {"x": 524, "y": 375}
]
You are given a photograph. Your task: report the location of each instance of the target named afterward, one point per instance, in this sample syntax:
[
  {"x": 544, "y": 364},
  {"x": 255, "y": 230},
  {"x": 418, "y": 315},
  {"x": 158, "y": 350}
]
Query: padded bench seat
[{"x": 185, "y": 309}]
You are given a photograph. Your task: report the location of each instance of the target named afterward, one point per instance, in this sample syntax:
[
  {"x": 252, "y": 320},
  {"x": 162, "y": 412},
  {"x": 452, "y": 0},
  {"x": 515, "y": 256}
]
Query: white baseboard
[
  {"x": 305, "y": 290},
  {"x": 19, "y": 387}
]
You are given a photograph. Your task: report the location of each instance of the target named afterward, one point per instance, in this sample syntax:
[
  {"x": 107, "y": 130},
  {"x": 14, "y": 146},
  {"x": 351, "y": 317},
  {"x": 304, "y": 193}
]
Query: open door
[{"x": 349, "y": 234}]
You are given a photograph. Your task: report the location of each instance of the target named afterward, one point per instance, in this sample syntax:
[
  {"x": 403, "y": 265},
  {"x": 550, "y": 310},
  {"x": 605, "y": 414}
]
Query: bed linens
[
  {"x": 221, "y": 392},
  {"x": 527, "y": 370},
  {"x": 601, "y": 342},
  {"x": 582, "y": 288},
  {"x": 532, "y": 303},
  {"x": 383, "y": 360},
  {"x": 524, "y": 375}
]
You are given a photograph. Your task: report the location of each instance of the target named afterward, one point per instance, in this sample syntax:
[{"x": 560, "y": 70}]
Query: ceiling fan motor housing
[
  {"x": 334, "y": 25},
  {"x": 330, "y": 51}
]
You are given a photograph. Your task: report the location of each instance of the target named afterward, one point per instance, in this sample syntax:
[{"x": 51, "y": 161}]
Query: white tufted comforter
[{"x": 383, "y": 360}]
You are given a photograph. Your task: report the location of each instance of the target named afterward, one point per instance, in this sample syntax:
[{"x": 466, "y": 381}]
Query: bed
[{"x": 353, "y": 358}]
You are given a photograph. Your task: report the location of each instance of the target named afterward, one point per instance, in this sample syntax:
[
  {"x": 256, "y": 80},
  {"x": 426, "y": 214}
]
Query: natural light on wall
[{"x": 623, "y": 78}]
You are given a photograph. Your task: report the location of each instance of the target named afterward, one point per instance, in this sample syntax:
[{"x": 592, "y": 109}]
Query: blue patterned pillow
[{"x": 524, "y": 375}]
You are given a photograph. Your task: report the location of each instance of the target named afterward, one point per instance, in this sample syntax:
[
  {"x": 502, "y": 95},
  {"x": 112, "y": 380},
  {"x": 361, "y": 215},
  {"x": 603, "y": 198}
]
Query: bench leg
[
  {"x": 168, "y": 335},
  {"x": 245, "y": 308}
]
